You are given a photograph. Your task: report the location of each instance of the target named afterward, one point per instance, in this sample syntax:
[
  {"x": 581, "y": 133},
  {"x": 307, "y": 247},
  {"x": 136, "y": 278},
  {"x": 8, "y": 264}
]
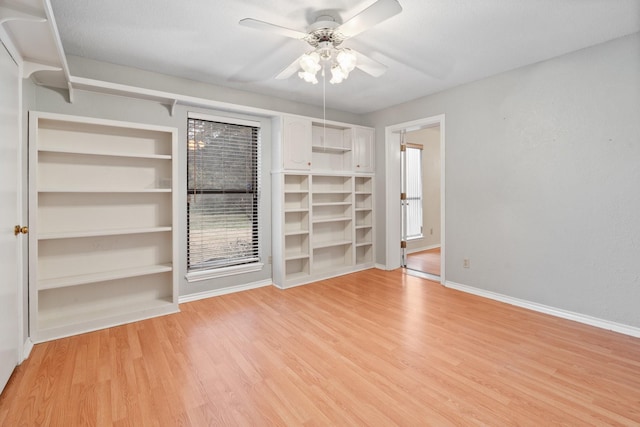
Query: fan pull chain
[{"x": 324, "y": 105}]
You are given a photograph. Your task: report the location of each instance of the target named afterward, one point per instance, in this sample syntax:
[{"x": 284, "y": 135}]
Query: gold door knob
[{"x": 20, "y": 229}]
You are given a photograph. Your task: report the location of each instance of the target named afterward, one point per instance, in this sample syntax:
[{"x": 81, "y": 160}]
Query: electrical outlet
[
  {"x": 466, "y": 263},
  {"x": 270, "y": 260}
]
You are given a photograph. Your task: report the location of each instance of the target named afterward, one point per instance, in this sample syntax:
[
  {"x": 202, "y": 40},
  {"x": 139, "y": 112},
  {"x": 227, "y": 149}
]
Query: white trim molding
[
  {"x": 224, "y": 291},
  {"x": 553, "y": 311}
]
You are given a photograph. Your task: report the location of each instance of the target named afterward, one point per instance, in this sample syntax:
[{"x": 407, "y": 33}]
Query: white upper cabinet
[
  {"x": 296, "y": 143},
  {"x": 363, "y": 149},
  {"x": 318, "y": 146}
]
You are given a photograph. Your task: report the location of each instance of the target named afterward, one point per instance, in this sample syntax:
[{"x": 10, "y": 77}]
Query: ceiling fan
[{"x": 326, "y": 36}]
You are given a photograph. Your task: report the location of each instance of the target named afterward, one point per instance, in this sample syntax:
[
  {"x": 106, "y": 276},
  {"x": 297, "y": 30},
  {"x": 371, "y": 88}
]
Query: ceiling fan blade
[
  {"x": 290, "y": 70},
  {"x": 374, "y": 14},
  {"x": 265, "y": 26},
  {"x": 368, "y": 65}
]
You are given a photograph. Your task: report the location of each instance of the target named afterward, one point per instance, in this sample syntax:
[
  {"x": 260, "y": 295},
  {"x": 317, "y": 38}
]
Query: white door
[
  {"x": 9, "y": 216},
  {"x": 403, "y": 200}
]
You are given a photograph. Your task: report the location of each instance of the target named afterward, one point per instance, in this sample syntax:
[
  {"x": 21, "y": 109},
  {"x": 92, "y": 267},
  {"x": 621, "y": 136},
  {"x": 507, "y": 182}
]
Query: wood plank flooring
[
  {"x": 427, "y": 261},
  {"x": 372, "y": 348}
]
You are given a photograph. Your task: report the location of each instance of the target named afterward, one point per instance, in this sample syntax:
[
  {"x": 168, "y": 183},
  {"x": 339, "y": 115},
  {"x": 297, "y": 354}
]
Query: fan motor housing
[{"x": 323, "y": 31}]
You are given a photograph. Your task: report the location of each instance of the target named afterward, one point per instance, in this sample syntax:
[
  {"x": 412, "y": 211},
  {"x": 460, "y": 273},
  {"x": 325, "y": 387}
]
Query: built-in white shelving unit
[
  {"x": 102, "y": 236},
  {"x": 322, "y": 200}
]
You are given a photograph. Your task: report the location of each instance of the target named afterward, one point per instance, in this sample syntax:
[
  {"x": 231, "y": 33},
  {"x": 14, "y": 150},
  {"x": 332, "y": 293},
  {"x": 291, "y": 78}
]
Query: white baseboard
[
  {"x": 553, "y": 311},
  {"x": 224, "y": 291},
  {"x": 26, "y": 349},
  {"x": 423, "y": 248},
  {"x": 382, "y": 267}
]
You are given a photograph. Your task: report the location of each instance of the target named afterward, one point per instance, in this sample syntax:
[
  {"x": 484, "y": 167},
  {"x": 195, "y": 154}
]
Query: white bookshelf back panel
[
  {"x": 297, "y": 267},
  {"x": 363, "y": 201},
  {"x": 296, "y": 245},
  {"x": 363, "y": 185},
  {"x": 363, "y": 218},
  {"x": 327, "y": 259},
  {"x": 296, "y": 221},
  {"x": 364, "y": 235},
  {"x": 93, "y": 173},
  {"x": 296, "y": 200},
  {"x": 72, "y": 212},
  {"x": 58, "y": 258},
  {"x": 326, "y": 212},
  {"x": 296, "y": 183},
  {"x": 320, "y": 198},
  {"x": 364, "y": 254},
  {"x": 331, "y": 161},
  {"x": 75, "y": 305},
  {"x": 327, "y": 232},
  {"x": 330, "y": 183},
  {"x": 81, "y": 137}
]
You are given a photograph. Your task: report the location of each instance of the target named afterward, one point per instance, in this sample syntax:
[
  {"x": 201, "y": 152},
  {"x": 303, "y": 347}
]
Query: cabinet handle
[{"x": 308, "y": 163}]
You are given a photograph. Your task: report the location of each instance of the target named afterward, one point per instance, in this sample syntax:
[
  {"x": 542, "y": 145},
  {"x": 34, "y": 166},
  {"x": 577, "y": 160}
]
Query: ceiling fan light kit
[
  {"x": 325, "y": 35},
  {"x": 341, "y": 61}
]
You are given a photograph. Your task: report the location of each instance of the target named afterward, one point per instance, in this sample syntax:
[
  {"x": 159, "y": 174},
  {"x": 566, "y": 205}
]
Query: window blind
[{"x": 223, "y": 193}]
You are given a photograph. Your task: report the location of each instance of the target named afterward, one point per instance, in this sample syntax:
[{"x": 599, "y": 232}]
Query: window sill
[{"x": 198, "y": 276}]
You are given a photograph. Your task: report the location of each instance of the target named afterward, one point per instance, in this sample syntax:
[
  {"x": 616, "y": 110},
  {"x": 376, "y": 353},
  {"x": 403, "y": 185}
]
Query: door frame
[{"x": 393, "y": 209}]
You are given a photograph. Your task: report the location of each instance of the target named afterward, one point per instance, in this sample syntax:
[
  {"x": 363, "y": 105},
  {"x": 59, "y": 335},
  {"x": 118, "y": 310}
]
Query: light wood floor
[
  {"x": 373, "y": 348},
  {"x": 426, "y": 261}
]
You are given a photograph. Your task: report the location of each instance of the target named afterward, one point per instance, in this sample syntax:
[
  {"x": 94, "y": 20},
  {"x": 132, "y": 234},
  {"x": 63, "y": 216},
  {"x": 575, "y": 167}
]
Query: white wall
[{"x": 542, "y": 176}]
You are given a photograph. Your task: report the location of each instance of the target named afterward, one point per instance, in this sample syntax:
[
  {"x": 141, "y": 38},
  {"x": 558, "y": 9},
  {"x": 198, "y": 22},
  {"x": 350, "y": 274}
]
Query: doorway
[
  {"x": 397, "y": 253},
  {"x": 421, "y": 200}
]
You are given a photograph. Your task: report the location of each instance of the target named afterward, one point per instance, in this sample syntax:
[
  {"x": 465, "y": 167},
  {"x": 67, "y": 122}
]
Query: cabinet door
[
  {"x": 296, "y": 143},
  {"x": 363, "y": 150}
]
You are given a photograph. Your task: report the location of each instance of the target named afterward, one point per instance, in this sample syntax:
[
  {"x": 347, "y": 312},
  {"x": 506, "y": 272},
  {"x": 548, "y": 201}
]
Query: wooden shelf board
[
  {"x": 332, "y": 204},
  {"x": 98, "y": 233},
  {"x": 334, "y": 150},
  {"x": 83, "y": 279},
  {"x": 104, "y": 190},
  {"x": 337, "y": 219},
  {"x": 331, "y": 191},
  {"x": 360, "y": 227},
  {"x": 296, "y": 210},
  {"x": 104, "y": 153},
  {"x": 290, "y": 256},
  {"x": 296, "y": 233},
  {"x": 360, "y": 244},
  {"x": 322, "y": 245}
]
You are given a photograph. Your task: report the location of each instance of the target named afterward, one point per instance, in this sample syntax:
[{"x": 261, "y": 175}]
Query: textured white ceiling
[{"x": 430, "y": 46}]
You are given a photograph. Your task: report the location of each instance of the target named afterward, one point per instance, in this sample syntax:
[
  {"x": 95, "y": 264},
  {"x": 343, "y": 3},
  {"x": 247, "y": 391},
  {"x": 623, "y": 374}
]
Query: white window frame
[{"x": 212, "y": 273}]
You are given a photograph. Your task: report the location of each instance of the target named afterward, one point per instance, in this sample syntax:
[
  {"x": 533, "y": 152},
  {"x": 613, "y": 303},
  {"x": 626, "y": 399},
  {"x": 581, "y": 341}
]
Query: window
[
  {"x": 414, "y": 191},
  {"x": 223, "y": 194}
]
